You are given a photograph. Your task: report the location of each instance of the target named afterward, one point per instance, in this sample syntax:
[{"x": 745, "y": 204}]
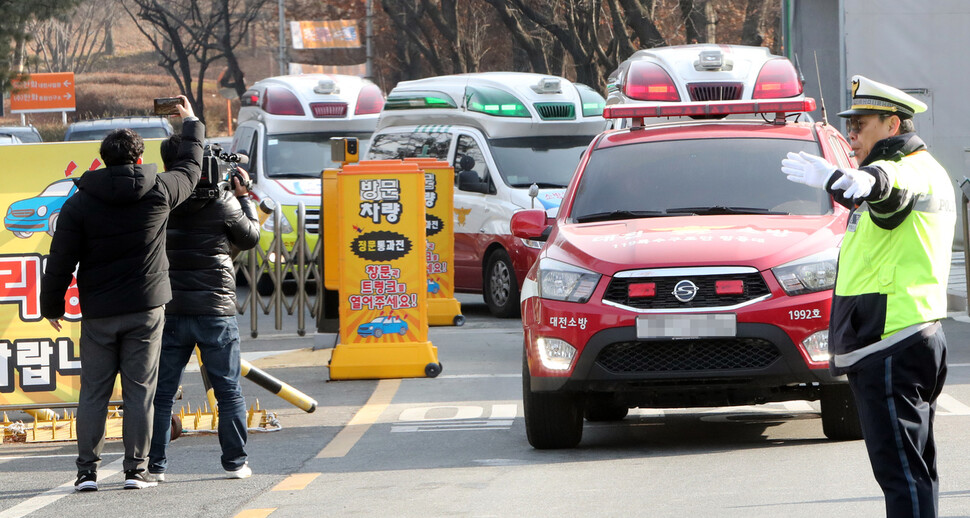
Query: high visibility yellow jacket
[{"x": 895, "y": 257}]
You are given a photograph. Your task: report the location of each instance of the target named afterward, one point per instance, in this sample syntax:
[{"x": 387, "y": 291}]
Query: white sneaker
[
  {"x": 243, "y": 472},
  {"x": 160, "y": 477}
]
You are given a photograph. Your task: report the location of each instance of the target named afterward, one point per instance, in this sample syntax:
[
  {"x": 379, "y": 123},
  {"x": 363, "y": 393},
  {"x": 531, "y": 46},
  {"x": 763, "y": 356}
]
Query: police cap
[{"x": 871, "y": 97}]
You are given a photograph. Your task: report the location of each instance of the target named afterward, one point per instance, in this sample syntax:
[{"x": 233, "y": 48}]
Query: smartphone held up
[{"x": 167, "y": 105}]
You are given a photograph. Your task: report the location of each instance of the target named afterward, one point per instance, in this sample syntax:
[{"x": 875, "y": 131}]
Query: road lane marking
[
  {"x": 463, "y": 418},
  {"x": 295, "y": 482},
  {"x": 948, "y": 405},
  {"x": 49, "y": 497},
  {"x": 256, "y": 513},
  {"x": 362, "y": 420}
]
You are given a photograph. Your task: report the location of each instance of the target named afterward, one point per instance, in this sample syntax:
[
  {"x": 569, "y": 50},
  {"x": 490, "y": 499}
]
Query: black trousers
[{"x": 897, "y": 403}]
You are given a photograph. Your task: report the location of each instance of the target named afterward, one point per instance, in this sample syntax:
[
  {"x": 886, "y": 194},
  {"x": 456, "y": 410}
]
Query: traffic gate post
[
  {"x": 383, "y": 285},
  {"x": 439, "y": 190}
]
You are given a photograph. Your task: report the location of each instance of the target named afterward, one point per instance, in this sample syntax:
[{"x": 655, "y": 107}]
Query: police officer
[{"x": 890, "y": 293}]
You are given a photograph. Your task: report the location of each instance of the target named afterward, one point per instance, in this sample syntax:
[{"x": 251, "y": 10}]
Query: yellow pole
[
  {"x": 281, "y": 389},
  {"x": 210, "y": 394}
]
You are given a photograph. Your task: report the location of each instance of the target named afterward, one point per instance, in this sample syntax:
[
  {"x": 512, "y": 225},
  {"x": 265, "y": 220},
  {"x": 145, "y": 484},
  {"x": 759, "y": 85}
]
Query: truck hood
[
  {"x": 761, "y": 242},
  {"x": 296, "y": 187},
  {"x": 548, "y": 199}
]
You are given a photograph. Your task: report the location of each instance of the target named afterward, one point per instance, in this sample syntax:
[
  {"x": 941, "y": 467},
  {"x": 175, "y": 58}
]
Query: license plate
[{"x": 687, "y": 326}]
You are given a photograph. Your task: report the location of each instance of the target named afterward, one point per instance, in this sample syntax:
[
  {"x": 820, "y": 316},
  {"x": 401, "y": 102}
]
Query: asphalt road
[{"x": 455, "y": 445}]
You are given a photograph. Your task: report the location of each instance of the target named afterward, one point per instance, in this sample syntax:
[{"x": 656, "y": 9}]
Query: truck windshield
[
  {"x": 546, "y": 161},
  {"x": 303, "y": 155},
  {"x": 695, "y": 177}
]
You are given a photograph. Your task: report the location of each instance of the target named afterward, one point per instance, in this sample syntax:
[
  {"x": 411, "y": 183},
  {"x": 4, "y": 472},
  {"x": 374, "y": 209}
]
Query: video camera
[{"x": 218, "y": 170}]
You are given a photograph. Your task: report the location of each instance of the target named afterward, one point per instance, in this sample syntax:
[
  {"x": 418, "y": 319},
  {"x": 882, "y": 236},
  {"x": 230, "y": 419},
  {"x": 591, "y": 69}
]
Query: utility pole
[
  {"x": 282, "y": 57},
  {"x": 369, "y": 71}
]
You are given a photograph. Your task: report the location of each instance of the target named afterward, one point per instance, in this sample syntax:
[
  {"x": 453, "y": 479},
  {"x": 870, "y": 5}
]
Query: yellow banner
[
  {"x": 347, "y": 70},
  {"x": 383, "y": 286},
  {"x": 439, "y": 185},
  {"x": 325, "y": 34},
  {"x": 39, "y": 366}
]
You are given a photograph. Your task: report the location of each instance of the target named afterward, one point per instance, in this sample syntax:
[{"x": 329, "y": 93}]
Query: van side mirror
[
  {"x": 470, "y": 182},
  {"x": 530, "y": 224}
]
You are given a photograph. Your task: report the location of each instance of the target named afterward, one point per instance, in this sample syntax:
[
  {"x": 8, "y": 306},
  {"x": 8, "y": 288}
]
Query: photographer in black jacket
[
  {"x": 113, "y": 231},
  {"x": 201, "y": 235}
]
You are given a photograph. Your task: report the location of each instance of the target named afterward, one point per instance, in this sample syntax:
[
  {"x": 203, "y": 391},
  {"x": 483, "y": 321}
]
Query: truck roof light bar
[{"x": 639, "y": 112}]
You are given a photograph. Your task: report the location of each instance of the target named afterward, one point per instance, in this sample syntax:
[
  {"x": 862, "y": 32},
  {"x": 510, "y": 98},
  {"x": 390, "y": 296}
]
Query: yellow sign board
[
  {"x": 382, "y": 282},
  {"x": 38, "y": 365},
  {"x": 439, "y": 186}
]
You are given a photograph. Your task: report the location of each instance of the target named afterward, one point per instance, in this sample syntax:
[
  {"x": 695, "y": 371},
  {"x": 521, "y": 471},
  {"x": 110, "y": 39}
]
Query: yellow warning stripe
[
  {"x": 295, "y": 482},
  {"x": 362, "y": 420},
  {"x": 255, "y": 513}
]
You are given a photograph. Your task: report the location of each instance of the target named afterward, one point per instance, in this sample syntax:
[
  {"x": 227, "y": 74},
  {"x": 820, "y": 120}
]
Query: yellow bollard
[{"x": 274, "y": 385}]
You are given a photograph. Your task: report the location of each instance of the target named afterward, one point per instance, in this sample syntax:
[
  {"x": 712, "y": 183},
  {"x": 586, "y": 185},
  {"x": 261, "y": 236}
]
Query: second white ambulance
[{"x": 504, "y": 132}]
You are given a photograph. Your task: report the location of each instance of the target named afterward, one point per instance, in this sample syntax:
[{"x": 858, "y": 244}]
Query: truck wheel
[
  {"x": 840, "y": 417},
  {"x": 552, "y": 420},
  {"x": 265, "y": 285},
  {"x": 603, "y": 411},
  {"x": 501, "y": 290}
]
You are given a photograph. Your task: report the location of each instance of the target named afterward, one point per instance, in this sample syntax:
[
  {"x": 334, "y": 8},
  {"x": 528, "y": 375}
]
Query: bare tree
[
  {"x": 72, "y": 42},
  {"x": 753, "y": 31},
  {"x": 189, "y": 36}
]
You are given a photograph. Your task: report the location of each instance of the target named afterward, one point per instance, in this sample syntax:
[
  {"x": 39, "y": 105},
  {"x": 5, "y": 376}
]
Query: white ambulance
[
  {"x": 285, "y": 125},
  {"x": 504, "y": 132}
]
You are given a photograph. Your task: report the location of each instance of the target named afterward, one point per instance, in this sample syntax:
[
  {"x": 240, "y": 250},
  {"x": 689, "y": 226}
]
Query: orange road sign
[{"x": 45, "y": 92}]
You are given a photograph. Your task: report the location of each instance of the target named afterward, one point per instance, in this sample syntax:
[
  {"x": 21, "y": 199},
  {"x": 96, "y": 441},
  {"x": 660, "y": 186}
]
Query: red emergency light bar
[{"x": 714, "y": 108}]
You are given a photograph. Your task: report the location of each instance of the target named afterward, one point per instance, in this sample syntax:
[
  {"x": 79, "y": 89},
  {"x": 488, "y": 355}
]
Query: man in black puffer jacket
[
  {"x": 201, "y": 235},
  {"x": 113, "y": 231}
]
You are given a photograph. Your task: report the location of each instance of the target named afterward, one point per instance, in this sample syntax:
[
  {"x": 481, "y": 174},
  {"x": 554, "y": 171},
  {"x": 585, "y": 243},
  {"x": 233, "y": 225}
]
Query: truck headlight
[
  {"x": 817, "y": 346},
  {"x": 562, "y": 281},
  {"x": 808, "y": 274},
  {"x": 555, "y": 354},
  {"x": 285, "y": 227}
]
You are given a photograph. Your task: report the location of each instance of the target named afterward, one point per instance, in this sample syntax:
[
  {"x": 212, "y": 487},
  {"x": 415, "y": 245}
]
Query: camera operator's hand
[
  {"x": 185, "y": 109},
  {"x": 240, "y": 187}
]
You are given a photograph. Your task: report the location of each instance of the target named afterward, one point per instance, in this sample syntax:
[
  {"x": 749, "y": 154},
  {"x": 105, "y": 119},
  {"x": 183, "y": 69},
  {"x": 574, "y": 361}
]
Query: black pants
[{"x": 897, "y": 402}]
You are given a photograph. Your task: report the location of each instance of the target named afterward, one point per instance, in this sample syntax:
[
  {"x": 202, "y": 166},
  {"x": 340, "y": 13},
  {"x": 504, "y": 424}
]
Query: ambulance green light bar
[
  {"x": 634, "y": 111},
  {"x": 415, "y": 100},
  {"x": 492, "y": 101}
]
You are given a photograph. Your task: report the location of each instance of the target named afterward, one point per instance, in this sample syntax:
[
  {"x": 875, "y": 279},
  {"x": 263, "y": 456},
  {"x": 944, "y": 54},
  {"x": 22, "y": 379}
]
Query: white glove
[
  {"x": 856, "y": 183},
  {"x": 811, "y": 170}
]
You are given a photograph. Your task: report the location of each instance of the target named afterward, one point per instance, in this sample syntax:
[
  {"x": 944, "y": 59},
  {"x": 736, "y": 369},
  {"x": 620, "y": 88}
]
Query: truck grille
[
  {"x": 556, "y": 111},
  {"x": 688, "y": 355},
  {"x": 754, "y": 287},
  {"x": 715, "y": 91}
]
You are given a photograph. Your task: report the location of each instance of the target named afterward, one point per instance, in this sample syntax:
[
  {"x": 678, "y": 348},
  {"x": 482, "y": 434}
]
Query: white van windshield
[
  {"x": 548, "y": 162},
  {"x": 303, "y": 155}
]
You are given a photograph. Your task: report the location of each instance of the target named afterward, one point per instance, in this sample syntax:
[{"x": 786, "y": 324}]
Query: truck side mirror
[{"x": 530, "y": 224}]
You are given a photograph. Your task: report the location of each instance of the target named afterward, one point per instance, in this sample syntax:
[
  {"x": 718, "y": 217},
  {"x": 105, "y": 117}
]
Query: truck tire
[
  {"x": 501, "y": 288},
  {"x": 840, "y": 417},
  {"x": 552, "y": 420}
]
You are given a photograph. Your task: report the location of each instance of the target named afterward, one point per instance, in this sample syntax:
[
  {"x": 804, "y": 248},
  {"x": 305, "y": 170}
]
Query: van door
[{"x": 471, "y": 213}]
